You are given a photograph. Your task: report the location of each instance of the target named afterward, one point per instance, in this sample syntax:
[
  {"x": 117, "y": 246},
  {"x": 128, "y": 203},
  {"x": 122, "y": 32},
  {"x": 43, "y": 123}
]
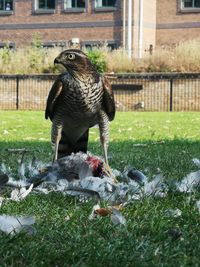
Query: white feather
[{"x": 14, "y": 224}]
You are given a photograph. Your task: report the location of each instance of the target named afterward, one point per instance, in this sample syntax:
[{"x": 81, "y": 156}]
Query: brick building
[
  {"x": 95, "y": 22},
  {"x": 177, "y": 21},
  {"x": 60, "y": 21}
]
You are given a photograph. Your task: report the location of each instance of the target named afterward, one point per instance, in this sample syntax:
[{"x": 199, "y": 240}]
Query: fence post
[
  {"x": 17, "y": 92},
  {"x": 171, "y": 95}
]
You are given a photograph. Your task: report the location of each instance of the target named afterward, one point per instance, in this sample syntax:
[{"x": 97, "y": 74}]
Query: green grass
[{"x": 145, "y": 240}]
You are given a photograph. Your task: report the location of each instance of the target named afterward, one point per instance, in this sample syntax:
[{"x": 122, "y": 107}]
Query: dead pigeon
[{"x": 73, "y": 167}]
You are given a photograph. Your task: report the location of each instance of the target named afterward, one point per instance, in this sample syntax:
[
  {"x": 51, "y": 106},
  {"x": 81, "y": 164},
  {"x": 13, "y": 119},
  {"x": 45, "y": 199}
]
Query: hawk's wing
[
  {"x": 52, "y": 98},
  {"x": 108, "y": 99}
]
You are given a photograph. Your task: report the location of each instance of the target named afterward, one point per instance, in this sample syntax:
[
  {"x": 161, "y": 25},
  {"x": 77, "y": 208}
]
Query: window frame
[
  {"x": 38, "y": 10},
  {"x": 11, "y": 46},
  {"x": 90, "y": 45},
  {"x": 51, "y": 44},
  {"x": 105, "y": 8},
  {"x": 7, "y": 12},
  {"x": 183, "y": 9},
  {"x": 74, "y": 9}
]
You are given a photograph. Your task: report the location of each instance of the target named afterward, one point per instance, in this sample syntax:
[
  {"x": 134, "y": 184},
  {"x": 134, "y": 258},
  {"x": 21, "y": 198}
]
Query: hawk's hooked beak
[{"x": 56, "y": 61}]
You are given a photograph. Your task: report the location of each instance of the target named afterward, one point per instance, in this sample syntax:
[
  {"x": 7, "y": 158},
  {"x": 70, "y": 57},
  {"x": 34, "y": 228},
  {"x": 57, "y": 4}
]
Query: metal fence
[{"x": 133, "y": 92}]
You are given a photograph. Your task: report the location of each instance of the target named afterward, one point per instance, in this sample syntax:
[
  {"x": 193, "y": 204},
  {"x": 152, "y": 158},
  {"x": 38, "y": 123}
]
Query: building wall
[
  {"x": 136, "y": 10},
  {"x": 90, "y": 25},
  {"x": 142, "y": 39},
  {"x": 163, "y": 24},
  {"x": 175, "y": 25},
  {"x": 149, "y": 35}
]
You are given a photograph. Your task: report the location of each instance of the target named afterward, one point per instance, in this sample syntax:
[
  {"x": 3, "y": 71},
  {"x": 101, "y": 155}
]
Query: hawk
[{"x": 79, "y": 99}]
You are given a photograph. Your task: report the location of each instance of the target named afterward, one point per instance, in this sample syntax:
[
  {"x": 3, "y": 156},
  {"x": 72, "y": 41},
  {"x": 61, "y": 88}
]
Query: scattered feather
[
  {"x": 173, "y": 213},
  {"x": 116, "y": 173},
  {"x": 135, "y": 175},
  {"x": 117, "y": 218},
  {"x": 156, "y": 187},
  {"x": 16, "y": 224},
  {"x": 67, "y": 218},
  {"x": 153, "y": 143},
  {"x": 21, "y": 171},
  {"x": 196, "y": 162},
  {"x": 1, "y": 201},
  {"x": 42, "y": 190},
  {"x": 102, "y": 186},
  {"x": 198, "y": 205},
  {"x": 19, "y": 194},
  {"x": 17, "y": 183},
  {"x": 113, "y": 212},
  {"x": 63, "y": 184},
  {"x": 189, "y": 183},
  {"x": 5, "y": 132},
  {"x": 82, "y": 192},
  {"x": 18, "y": 150},
  {"x": 93, "y": 214},
  {"x": 76, "y": 175},
  {"x": 140, "y": 145},
  {"x": 103, "y": 212}
]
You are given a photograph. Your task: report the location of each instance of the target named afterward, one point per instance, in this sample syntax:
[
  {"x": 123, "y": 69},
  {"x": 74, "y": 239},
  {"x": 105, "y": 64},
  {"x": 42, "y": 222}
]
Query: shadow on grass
[{"x": 172, "y": 157}]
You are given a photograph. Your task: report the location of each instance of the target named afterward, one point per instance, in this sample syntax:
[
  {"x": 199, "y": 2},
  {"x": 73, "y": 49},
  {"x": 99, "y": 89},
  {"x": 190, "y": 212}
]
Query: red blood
[{"x": 96, "y": 165}]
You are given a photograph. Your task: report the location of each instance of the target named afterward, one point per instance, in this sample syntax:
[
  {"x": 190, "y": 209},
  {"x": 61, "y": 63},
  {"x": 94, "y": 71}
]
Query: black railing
[{"x": 142, "y": 92}]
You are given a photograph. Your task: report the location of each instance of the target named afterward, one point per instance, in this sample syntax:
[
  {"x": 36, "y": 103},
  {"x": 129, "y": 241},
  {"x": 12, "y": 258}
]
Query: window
[
  {"x": 90, "y": 45},
  {"x": 190, "y": 4},
  {"x": 45, "y": 4},
  {"x": 105, "y": 3},
  {"x": 74, "y": 4},
  {"x": 6, "y": 5},
  {"x": 7, "y": 45},
  {"x": 54, "y": 44},
  {"x": 111, "y": 46}
]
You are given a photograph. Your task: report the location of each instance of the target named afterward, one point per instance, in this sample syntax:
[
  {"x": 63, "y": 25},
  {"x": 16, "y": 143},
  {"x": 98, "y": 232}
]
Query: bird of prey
[{"x": 79, "y": 99}]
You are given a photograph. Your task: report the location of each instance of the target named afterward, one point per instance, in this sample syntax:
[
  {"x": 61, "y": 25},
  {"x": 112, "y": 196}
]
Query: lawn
[{"x": 64, "y": 234}]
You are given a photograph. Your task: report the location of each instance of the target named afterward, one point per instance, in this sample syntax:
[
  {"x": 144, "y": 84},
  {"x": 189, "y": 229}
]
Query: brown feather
[
  {"x": 52, "y": 98},
  {"x": 108, "y": 100}
]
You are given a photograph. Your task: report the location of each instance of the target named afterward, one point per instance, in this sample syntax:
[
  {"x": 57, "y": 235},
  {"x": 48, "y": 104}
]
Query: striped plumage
[{"x": 78, "y": 100}]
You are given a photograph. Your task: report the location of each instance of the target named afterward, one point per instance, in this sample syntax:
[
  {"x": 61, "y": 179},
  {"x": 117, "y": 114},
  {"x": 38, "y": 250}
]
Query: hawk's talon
[{"x": 108, "y": 172}]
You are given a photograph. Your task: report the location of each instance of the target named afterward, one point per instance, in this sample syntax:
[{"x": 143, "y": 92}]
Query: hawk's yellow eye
[{"x": 71, "y": 56}]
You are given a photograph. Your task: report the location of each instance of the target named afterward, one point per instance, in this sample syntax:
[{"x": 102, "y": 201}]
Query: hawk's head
[{"x": 76, "y": 62}]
